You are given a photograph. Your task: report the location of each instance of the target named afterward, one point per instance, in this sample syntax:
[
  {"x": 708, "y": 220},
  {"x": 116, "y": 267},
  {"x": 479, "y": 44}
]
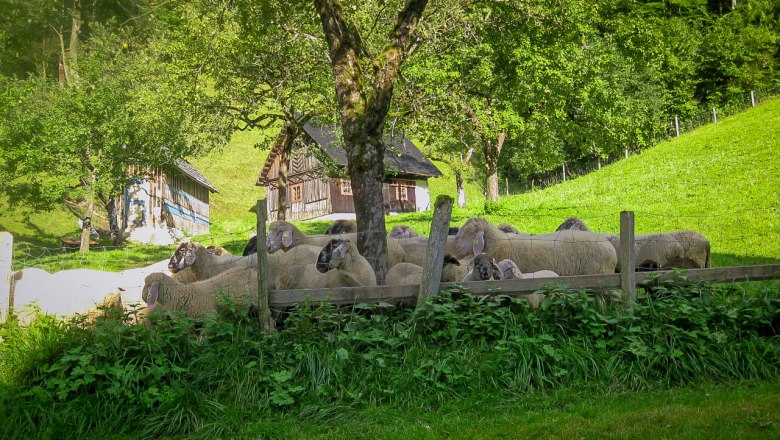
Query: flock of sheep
[{"x": 477, "y": 251}]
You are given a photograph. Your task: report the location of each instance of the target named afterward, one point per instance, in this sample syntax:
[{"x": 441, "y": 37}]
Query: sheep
[
  {"x": 337, "y": 264},
  {"x": 285, "y": 236},
  {"x": 564, "y": 252},
  {"x": 509, "y": 229},
  {"x": 510, "y": 271},
  {"x": 201, "y": 264},
  {"x": 251, "y": 246},
  {"x": 483, "y": 268},
  {"x": 218, "y": 250},
  {"x": 664, "y": 251},
  {"x": 341, "y": 227},
  {"x": 402, "y": 231},
  {"x": 196, "y": 299},
  {"x": 408, "y": 273},
  {"x": 573, "y": 223}
]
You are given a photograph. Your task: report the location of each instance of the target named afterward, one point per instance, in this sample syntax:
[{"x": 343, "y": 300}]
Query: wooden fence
[{"x": 626, "y": 281}]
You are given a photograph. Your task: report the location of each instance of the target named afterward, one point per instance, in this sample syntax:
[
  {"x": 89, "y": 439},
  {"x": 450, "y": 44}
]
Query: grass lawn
[{"x": 730, "y": 411}]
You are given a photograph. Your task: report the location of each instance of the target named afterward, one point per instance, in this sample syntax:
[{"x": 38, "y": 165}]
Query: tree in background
[{"x": 121, "y": 104}]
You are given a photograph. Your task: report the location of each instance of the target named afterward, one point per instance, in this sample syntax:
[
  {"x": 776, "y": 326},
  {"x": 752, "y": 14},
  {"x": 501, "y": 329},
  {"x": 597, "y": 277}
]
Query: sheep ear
[
  {"x": 341, "y": 250},
  {"x": 287, "y": 239},
  {"x": 479, "y": 243},
  {"x": 154, "y": 292}
]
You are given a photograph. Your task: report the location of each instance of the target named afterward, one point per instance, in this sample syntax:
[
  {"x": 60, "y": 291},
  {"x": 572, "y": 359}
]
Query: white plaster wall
[{"x": 422, "y": 195}]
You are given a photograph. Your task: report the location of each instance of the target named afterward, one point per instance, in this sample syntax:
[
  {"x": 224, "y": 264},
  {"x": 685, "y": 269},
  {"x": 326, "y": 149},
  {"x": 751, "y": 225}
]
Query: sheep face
[
  {"x": 574, "y": 224},
  {"x": 399, "y": 232},
  {"x": 342, "y": 227},
  {"x": 470, "y": 239},
  {"x": 332, "y": 254},
  {"x": 485, "y": 268},
  {"x": 183, "y": 257},
  {"x": 280, "y": 236},
  {"x": 508, "y": 269}
]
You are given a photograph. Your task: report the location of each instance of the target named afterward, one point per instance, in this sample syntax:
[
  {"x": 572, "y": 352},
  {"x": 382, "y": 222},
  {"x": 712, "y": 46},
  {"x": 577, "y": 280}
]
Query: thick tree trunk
[
  {"x": 369, "y": 203},
  {"x": 363, "y": 114},
  {"x": 492, "y": 151}
]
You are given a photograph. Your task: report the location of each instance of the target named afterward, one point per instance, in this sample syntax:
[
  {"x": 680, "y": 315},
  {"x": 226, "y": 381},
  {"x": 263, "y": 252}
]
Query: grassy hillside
[{"x": 719, "y": 180}]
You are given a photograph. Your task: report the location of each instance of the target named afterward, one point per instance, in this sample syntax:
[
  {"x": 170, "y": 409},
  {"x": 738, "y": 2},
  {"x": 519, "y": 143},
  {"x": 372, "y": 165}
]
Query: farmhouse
[
  {"x": 316, "y": 185},
  {"x": 166, "y": 203}
]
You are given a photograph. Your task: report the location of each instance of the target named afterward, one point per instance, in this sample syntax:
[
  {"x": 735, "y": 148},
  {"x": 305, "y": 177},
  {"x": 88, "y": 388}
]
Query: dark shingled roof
[
  {"x": 188, "y": 169},
  {"x": 400, "y": 155}
]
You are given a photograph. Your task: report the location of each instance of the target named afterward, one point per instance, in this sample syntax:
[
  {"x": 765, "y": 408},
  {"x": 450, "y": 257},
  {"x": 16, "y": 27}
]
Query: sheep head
[
  {"x": 509, "y": 270},
  {"x": 341, "y": 227},
  {"x": 183, "y": 257},
  {"x": 573, "y": 223},
  {"x": 333, "y": 254},
  {"x": 509, "y": 229},
  {"x": 152, "y": 286},
  {"x": 471, "y": 237},
  {"x": 485, "y": 268},
  {"x": 402, "y": 231},
  {"x": 280, "y": 236}
]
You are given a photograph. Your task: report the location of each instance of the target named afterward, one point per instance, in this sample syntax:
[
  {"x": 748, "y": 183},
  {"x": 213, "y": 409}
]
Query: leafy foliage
[{"x": 198, "y": 378}]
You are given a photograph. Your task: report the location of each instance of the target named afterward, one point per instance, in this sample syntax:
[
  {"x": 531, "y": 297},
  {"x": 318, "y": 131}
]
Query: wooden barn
[
  {"x": 166, "y": 203},
  {"x": 315, "y": 189}
]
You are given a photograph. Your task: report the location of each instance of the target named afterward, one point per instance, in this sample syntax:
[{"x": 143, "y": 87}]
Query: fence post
[
  {"x": 627, "y": 258},
  {"x": 753, "y": 98},
  {"x": 6, "y": 260},
  {"x": 263, "y": 310},
  {"x": 564, "y": 171},
  {"x": 437, "y": 241},
  {"x": 714, "y": 114},
  {"x": 677, "y": 125},
  {"x": 506, "y": 179}
]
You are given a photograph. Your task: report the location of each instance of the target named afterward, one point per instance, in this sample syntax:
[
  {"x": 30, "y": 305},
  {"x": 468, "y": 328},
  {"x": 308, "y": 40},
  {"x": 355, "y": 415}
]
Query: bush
[{"x": 205, "y": 378}]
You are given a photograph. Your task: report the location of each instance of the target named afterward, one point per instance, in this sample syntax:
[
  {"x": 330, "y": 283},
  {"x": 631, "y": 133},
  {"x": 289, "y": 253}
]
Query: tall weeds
[{"x": 205, "y": 379}]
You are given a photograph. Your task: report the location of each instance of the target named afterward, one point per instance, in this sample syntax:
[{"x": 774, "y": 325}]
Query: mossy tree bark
[
  {"x": 492, "y": 151},
  {"x": 363, "y": 108}
]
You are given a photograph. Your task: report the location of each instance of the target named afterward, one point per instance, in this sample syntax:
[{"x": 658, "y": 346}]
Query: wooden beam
[
  {"x": 627, "y": 257},
  {"x": 264, "y": 312},
  {"x": 434, "y": 255},
  {"x": 734, "y": 274}
]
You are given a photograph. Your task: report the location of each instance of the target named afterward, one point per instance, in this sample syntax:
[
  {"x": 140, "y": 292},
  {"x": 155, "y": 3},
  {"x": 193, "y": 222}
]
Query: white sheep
[
  {"x": 664, "y": 251},
  {"x": 509, "y": 229},
  {"x": 284, "y": 236},
  {"x": 337, "y": 264},
  {"x": 409, "y": 273},
  {"x": 201, "y": 297},
  {"x": 510, "y": 271},
  {"x": 564, "y": 252},
  {"x": 192, "y": 262}
]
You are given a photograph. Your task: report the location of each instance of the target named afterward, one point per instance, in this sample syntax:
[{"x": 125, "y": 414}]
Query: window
[
  {"x": 346, "y": 187},
  {"x": 402, "y": 189},
  {"x": 297, "y": 192}
]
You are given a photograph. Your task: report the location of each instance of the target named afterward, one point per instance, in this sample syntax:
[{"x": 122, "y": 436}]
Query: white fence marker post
[
  {"x": 714, "y": 115},
  {"x": 753, "y": 98},
  {"x": 677, "y": 125},
  {"x": 6, "y": 263}
]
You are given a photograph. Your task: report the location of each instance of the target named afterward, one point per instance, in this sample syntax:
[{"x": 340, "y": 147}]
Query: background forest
[{"x": 510, "y": 87}]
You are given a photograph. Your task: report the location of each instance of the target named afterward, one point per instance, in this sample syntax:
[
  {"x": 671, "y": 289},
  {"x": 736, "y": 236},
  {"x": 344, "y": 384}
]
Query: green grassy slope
[{"x": 720, "y": 180}]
